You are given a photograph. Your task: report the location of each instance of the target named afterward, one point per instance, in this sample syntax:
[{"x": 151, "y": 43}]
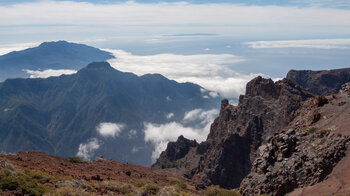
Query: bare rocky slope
[
  {"x": 226, "y": 156},
  {"x": 320, "y": 82},
  {"x": 279, "y": 139}
]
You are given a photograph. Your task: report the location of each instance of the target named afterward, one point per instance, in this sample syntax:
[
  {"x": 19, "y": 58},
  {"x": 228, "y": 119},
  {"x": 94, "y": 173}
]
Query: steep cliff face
[
  {"x": 320, "y": 82},
  {"x": 226, "y": 156},
  {"x": 306, "y": 151}
]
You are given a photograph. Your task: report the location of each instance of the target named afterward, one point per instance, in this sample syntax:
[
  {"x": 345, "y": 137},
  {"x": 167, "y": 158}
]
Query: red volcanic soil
[{"x": 95, "y": 170}]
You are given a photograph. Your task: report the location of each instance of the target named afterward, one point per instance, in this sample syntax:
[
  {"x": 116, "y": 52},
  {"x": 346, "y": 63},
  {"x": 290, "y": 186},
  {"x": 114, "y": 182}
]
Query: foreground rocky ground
[{"x": 36, "y": 173}]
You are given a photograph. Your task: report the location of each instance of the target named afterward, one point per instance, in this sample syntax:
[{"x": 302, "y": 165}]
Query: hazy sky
[
  {"x": 219, "y": 44},
  {"x": 24, "y": 20}
]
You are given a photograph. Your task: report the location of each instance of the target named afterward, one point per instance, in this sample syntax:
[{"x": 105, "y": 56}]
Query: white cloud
[
  {"x": 207, "y": 49},
  {"x": 200, "y": 115},
  {"x": 132, "y": 133},
  {"x": 49, "y": 72},
  {"x": 212, "y": 71},
  {"x": 213, "y": 94},
  {"x": 315, "y": 43},
  {"x": 6, "y": 48},
  {"x": 86, "y": 150},
  {"x": 107, "y": 129},
  {"x": 169, "y": 116},
  {"x": 160, "y": 134}
]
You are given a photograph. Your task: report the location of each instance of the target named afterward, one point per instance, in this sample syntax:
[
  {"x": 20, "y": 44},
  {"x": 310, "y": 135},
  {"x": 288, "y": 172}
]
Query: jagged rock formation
[
  {"x": 225, "y": 157},
  {"x": 290, "y": 160},
  {"x": 320, "y": 82},
  {"x": 305, "y": 152}
]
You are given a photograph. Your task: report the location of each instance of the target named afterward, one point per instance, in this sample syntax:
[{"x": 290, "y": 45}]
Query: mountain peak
[
  {"x": 99, "y": 65},
  {"x": 54, "y": 43}
]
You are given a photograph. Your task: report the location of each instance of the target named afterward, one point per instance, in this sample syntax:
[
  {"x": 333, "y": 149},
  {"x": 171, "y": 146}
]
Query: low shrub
[
  {"x": 76, "y": 160},
  {"x": 180, "y": 184},
  {"x": 150, "y": 189},
  {"x": 27, "y": 184},
  {"x": 217, "y": 191}
]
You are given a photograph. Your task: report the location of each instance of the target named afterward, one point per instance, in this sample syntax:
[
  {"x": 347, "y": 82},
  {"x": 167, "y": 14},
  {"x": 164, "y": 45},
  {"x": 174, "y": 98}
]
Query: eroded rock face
[
  {"x": 320, "y": 82},
  {"x": 225, "y": 158},
  {"x": 294, "y": 159},
  {"x": 174, "y": 151}
]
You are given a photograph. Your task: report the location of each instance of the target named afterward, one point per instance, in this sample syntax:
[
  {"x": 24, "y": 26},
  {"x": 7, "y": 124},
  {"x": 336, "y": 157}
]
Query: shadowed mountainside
[{"x": 57, "y": 114}]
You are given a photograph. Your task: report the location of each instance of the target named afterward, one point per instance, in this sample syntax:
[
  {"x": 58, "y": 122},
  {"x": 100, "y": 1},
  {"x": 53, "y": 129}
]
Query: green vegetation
[
  {"x": 179, "y": 184},
  {"x": 217, "y": 191},
  {"x": 115, "y": 186},
  {"x": 76, "y": 160},
  {"x": 29, "y": 183}
]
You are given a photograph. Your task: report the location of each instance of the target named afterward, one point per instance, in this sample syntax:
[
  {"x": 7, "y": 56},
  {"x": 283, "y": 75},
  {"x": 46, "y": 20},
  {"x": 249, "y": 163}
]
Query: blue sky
[{"x": 341, "y": 4}]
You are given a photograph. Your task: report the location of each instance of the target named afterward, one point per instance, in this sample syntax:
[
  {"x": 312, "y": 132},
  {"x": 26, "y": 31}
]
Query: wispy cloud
[
  {"x": 314, "y": 43},
  {"x": 212, "y": 71},
  {"x": 86, "y": 150},
  {"x": 107, "y": 129},
  {"x": 344, "y": 4},
  {"x": 131, "y": 13},
  {"x": 169, "y": 116},
  {"x": 49, "y": 72},
  {"x": 131, "y": 18},
  {"x": 160, "y": 134}
]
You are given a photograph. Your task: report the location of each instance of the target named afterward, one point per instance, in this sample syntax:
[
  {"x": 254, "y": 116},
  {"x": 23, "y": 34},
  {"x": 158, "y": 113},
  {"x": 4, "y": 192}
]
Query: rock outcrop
[
  {"x": 225, "y": 158},
  {"x": 175, "y": 151},
  {"x": 294, "y": 159},
  {"x": 320, "y": 82}
]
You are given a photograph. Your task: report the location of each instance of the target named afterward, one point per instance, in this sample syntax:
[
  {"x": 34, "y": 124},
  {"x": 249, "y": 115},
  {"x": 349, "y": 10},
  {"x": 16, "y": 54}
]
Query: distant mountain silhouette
[
  {"x": 56, "y": 114},
  {"x": 49, "y": 55}
]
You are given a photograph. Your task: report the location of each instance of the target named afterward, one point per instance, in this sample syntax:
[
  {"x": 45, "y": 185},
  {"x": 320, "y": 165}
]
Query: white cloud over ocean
[
  {"x": 214, "y": 72},
  {"x": 313, "y": 43}
]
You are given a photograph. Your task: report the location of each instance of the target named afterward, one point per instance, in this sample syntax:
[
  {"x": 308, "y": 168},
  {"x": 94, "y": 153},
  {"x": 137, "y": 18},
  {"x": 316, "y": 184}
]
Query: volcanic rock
[
  {"x": 321, "y": 82},
  {"x": 226, "y": 156}
]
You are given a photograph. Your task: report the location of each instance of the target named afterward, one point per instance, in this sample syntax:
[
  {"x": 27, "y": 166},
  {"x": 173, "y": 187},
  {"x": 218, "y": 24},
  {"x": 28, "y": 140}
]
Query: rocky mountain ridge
[
  {"x": 320, "y": 82},
  {"x": 277, "y": 139},
  {"x": 226, "y": 156}
]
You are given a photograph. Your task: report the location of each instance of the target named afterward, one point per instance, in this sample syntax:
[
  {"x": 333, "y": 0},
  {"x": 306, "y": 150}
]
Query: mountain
[
  {"x": 277, "y": 139},
  {"x": 320, "y": 82},
  {"x": 98, "y": 110},
  {"x": 49, "y": 55},
  {"x": 226, "y": 156}
]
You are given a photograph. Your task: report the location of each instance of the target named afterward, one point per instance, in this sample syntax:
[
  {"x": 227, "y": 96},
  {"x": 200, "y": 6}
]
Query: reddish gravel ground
[{"x": 95, "y": 170}]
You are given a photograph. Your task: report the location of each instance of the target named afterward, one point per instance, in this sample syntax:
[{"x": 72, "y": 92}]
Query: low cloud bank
[
  {"x": 86, "y": 150},
  {"x": 214, "y": 72},
  {"x": 314, "y": 43},
  {"x": 49, "y": 72},
  {"x": 160, "y": 134}
]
